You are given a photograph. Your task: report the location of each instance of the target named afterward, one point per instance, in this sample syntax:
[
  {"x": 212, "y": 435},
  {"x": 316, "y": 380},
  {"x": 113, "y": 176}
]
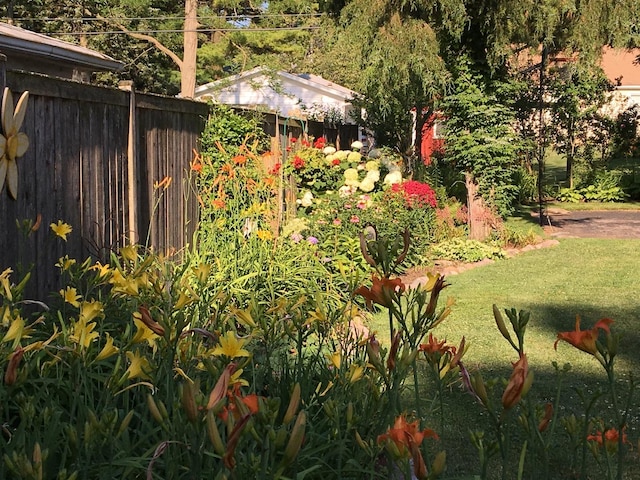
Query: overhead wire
[
  {"x": 200, "y": 17},
  {"x": 199, "y": 30}
]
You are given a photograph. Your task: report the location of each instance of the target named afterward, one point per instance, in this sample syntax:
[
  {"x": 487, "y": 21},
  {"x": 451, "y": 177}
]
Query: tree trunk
[
  {"x": 188, "y": 67},
  {"x": 479, "y": 215}
]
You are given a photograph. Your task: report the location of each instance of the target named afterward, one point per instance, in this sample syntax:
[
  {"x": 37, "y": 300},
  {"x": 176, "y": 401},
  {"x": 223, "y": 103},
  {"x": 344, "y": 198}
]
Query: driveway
[{"x": 593, "y": 224}]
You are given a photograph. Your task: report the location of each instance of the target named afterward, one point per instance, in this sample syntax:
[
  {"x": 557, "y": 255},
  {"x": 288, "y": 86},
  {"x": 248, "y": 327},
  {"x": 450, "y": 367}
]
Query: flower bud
[
  {"x": 294, "y": 402},
  {"x": 153, "y": 409},
  {"x": 296, "y": 438},
  {"x": 214, "y": 434},
  {"x": 11, "y": 374}
]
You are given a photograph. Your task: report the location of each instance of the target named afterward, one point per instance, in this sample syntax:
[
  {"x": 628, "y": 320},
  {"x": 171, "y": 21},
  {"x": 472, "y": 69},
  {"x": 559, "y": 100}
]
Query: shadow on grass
[{"x": 586, "y": 379}]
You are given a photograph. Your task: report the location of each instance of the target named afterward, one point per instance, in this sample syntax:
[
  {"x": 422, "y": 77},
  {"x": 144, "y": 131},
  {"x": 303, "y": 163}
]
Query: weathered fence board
[{"x": 77, "y": 170}]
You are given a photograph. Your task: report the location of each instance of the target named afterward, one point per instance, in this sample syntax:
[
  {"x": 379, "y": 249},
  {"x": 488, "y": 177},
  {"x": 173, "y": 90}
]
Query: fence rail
[{"x": 95, "y": 160}]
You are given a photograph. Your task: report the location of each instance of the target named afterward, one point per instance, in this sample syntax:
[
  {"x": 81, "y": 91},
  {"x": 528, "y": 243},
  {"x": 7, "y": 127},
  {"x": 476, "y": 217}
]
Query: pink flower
[
  {"x": 354, "y": 219},
  {"x": 337, "y": 222}
]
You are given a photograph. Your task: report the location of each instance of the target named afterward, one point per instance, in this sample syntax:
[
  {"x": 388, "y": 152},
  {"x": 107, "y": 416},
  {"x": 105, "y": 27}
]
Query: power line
[
  {"x": 199, "y": 30},
  {"x": 200, "y": 17}
]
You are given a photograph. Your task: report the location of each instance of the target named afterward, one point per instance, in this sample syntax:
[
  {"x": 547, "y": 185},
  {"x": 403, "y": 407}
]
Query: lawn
[{"x": 590, "y": 278}]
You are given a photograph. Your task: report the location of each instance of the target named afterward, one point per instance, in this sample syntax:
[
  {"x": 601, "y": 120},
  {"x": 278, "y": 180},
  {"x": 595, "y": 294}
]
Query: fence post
[
  {"x": 127, "y": 85},
  {"x": 3, "y": 72}
]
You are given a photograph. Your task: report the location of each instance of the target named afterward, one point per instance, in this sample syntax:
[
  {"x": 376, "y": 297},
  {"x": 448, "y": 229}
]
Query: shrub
[{"x": 463, "y": 250}]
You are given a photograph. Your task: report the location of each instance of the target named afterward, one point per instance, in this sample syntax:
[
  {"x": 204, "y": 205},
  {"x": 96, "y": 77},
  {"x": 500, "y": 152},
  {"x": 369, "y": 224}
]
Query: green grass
[
  {"x": 591, "y": 278},
  {"x": 595, "y": 206}
]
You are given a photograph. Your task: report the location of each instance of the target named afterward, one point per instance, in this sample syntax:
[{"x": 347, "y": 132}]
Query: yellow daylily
[
  {"x": 13, "y": 144},
  {"x": 83, "y": 333},
  {"x": 335, "y": 359},
  {"x": 202, "y": 272},
  {"x": 236, "y": 378},
  {"x": 130, "y": 252},
  {"x": 90, "y": 310},
  {"x": 15, "y": 330},
  {"x": 103, "y": 270},
  {"x": 143, "y": 333},
  {"x": 139, "y": 366},
  {"x": 61, "y": 229},
  {"x": 122, "y": 284},
  {"x": 231, "y": 346},
  {"x": 108, "y": 350},
  {"x": 355, "y": 373},
  {"x": 185, "y": 298},
  {"x": 70, "y": 295},
  {"x": 6, "y": 285},
  {"x": 40, "y": 345},
  {"x": 65, "y": 263}
]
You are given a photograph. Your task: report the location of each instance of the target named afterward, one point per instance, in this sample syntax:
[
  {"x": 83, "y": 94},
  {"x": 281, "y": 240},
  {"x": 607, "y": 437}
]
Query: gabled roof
[
  {"x": 310, "y": 81},
  {"x": 25, "y": 42}
]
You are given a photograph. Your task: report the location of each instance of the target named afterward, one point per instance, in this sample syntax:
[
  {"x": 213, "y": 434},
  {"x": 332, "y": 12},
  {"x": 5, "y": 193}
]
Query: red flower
[
  {"x": 298, "y": 163},
  {"x": 416, "y": 194},
  {"x": 275, "y": 169},
  {"x": 319, "y": 143},
  {"x": 335, "y": 161},
  {"x": 584, "y": 340},
  {"x": 305, "y": 143}
]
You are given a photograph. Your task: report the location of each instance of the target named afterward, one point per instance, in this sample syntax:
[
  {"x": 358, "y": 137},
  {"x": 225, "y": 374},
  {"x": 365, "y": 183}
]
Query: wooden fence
[{"x": 96, "y": 160}]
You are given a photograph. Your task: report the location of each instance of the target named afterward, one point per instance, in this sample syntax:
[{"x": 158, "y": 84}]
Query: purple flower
[
  {"x": 296, "y": 237},
  {"x": 312, "y": 240}
]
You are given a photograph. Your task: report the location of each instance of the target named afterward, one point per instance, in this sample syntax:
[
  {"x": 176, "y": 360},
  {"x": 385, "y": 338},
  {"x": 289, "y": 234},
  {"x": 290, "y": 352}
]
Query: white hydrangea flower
[
  {"x": 367, "y": 185},
  {"x": 328, "y": 150},
  {"x": 393, "y": 177},
  {"x": 373, "y": 175},
  {"x": 307, "y": 199},
  {"x": 354, "y": 157},
  {"x": 351, "y": 174},
  {"x": 372, "y": 165},
  {"x": 357, "y": 145}
]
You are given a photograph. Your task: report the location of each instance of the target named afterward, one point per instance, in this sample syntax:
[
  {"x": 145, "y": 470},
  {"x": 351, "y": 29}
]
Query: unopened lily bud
[
  {"x": 125, "y": 423},
  {"x": 479, "y": 388},
  {"x": 294, "y": 402},
  {"x": 527, "y": 383},
  {"x": 214, "y": 434},
  {"x": 153, "y": 409},
  {"x": 296, "y": 438},
  {"x": 360, "y": 442},
  {"x": 393, "y": 351},
  {"x": 37, "y": 461},
  {"x": 500, "y": 322},
  {"x": 548, "y": 414},
  {"x": 189, "y": 401},
  {"x": 437, "y": 467},
  {"x": 11, "y": 374},
  {"x": 349, "y": 413}
]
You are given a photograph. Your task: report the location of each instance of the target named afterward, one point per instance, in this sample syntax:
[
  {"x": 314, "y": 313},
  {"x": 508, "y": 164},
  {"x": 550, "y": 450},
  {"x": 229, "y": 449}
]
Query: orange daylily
[
  {"x": 585, "y": 340},
  {"x": 513, "y": 392},
  {"x": 381, "y": 291},
  {"x": 610, "y": 438},
  {"x": 407, "y": 439}
]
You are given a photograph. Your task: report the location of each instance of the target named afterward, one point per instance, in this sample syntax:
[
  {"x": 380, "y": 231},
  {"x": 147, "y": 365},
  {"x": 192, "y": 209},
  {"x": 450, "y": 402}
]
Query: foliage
[
  {"x": 463, "y": 250},
  {"x": 480, "y": 139},
  {"x": 603, "y": 186},
  {"x": 578, "y": 92}
]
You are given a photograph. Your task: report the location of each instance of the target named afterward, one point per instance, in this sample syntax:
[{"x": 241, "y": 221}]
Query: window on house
[{"x": 438, "y": 129}]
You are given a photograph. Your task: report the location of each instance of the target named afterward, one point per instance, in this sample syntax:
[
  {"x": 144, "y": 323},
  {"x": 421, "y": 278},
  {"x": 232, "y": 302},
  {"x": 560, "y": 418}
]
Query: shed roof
[{"x": 19, "y": 40}]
